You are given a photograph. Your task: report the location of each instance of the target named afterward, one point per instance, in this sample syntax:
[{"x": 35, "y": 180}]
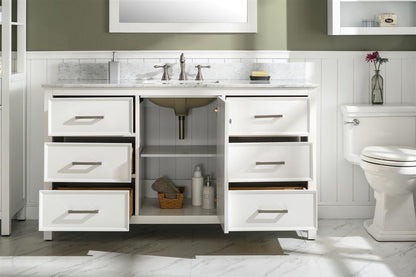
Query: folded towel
[
  {"x": 164, "y": 185},
  {"x": 259, "y": 74}
]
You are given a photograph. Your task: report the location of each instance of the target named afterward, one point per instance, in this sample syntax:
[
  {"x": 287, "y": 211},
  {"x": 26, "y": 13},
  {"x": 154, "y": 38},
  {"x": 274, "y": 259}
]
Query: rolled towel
[{"x": 164, "y": 185}]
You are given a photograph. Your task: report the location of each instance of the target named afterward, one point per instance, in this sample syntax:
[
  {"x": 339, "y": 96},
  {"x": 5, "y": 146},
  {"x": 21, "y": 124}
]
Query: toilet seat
[{"x": 397, "y": 156}]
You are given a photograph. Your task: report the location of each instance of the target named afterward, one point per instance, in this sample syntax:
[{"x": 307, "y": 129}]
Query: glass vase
[{"x": 377, "y": 86}]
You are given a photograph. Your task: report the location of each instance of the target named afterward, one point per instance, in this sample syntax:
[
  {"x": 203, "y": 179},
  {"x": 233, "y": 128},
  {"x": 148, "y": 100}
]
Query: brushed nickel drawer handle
[
  {"x": 272, "y": 211},
  {"x": 83, "y": 211},
  {"x": 87, "y": 163},
  {"x": 78, "y": 117},
  {"x": 354, "y": 122},
  {"x": 269, "y": 116},
  {"x": 270, "y": 163}
]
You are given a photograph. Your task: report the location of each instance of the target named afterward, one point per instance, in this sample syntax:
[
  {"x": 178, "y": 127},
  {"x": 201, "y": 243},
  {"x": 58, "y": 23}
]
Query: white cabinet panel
[
  {"x": 276, "y": 116},
  {"x": 87, "y": 210},
  {"x": 268, "y": 162},
  {"x": 1, "y": 155},
  {"x": 272, "y": 210},
  {"x": 90, "y": 117},
  {"x": 88, "y": 162}
]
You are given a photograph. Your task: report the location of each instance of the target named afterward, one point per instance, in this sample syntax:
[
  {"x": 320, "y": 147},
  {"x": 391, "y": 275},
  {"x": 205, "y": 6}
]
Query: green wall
[{"x": 65, "y": 25}]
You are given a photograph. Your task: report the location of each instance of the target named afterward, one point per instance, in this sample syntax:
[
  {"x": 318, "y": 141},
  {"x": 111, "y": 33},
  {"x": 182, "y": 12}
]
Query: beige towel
[{"x": 164, "y": 185}]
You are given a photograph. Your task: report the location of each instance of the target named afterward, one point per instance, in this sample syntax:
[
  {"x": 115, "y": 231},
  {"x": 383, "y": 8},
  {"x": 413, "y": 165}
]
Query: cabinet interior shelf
[
  {"x": 150, "y": 212},
  {"x": 175, "y": 151}
]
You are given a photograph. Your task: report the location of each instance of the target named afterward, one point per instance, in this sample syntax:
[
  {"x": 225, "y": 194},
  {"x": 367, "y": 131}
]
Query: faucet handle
[
  {"x": 199, "y": 74},
  {"x": 165, "y": 76}
]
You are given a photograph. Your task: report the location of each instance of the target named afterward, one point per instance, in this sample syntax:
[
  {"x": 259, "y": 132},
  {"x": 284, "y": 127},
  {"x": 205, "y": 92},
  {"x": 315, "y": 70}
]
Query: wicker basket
[{"x": 175, "y": 203}]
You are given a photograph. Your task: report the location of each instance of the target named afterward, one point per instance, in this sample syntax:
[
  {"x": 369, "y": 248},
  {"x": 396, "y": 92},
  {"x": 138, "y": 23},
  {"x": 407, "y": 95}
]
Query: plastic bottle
[
  {"x": 208, "y": 195},
  {"x": 197, "y": 184}
]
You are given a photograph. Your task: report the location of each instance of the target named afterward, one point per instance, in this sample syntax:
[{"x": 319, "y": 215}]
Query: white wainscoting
[{"x": 343, "y": 77}]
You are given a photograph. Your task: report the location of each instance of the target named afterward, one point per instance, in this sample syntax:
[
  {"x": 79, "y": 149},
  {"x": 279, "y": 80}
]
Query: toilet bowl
[
  {"x": 391, "y": 172},
  {"x": 389, "y": 168}
]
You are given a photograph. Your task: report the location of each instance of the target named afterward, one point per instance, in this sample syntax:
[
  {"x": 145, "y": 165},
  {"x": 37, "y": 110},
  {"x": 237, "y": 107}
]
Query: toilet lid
[{"x": 390, "y": 155}]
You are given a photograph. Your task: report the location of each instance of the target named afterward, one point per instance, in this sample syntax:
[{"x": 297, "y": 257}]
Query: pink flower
[{"x": 372, "y": 57}]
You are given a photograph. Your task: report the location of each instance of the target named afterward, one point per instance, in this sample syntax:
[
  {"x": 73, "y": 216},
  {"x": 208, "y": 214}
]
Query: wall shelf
[
  {"x": 195, "y": 151},
  {"x": 345, "y": 17}
]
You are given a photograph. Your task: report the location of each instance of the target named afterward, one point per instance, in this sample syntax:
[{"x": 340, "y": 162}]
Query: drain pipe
[{"x": 181, "y": 127}]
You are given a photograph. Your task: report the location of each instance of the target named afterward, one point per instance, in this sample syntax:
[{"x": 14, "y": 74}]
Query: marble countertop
[{"x": 157, "y": 84}]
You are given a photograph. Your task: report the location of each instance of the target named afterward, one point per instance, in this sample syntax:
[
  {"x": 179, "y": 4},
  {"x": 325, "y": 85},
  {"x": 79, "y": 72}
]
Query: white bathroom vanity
[{"x": 106, "y": 143}]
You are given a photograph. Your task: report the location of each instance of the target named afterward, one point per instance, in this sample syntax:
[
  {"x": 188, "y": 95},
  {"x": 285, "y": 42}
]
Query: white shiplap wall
[{"x": 343, "y": 77}]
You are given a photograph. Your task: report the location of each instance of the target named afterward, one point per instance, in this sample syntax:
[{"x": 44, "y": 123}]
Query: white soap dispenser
[
  {"x": 197, "y": 184},
  {"x": 208, "y": 195}
]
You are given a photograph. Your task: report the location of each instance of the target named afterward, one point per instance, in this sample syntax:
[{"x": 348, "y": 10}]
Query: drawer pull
[
  {"x": 354, "y": 122},
  {"x": 83, "y": 211},
  {"x": 270, "y": 163},
  {"x": 87, "y": 163},
  {"x": 272, "y": 211},
  {"x": 78, "y": 117},
  {"x": 269, "y": 116}
]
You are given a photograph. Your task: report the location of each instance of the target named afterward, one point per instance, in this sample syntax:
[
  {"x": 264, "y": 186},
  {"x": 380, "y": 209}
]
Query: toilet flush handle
[{"x": 354, "y": 122}]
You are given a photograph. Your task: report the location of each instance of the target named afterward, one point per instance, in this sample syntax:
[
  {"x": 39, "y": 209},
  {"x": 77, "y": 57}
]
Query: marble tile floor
[{"x": 342, "y": 248}]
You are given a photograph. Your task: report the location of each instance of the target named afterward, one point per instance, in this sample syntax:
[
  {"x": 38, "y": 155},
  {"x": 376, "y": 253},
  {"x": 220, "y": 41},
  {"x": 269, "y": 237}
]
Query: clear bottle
[
  {"x": 197, "y": 184},
  {"x": 377, "y": 86},
  {"x": 208, "y": 195}
]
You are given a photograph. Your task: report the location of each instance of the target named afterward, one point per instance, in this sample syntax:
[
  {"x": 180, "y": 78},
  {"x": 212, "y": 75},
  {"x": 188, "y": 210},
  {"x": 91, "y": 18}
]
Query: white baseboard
[
  {"x": 32, "y": 211},
  {"x": 345, "y": 212}
]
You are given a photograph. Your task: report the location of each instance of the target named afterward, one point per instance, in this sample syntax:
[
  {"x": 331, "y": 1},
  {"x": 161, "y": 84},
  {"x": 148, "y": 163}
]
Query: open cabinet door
[{"x": 222, "y": 163}]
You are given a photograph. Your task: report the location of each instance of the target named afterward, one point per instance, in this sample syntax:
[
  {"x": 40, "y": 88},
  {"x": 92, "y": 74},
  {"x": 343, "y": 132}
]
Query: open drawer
[
  {"x": 264, "y": 210},
  {"x": 270, "y": 162},
  {"x": 84, "y": 210}
]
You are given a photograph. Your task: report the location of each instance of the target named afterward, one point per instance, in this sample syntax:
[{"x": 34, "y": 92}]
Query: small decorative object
[
  {"x": 387, "y": 20},
  {"x": 368, "y": 23},
  {"x": 377, "y": 83}
]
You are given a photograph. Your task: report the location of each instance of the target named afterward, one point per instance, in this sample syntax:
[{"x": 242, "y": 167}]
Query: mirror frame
[{"x": 117, "y": 27}]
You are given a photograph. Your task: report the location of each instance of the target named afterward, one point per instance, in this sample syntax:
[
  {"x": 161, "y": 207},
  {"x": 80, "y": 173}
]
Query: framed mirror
[{"x": 183, "y": 16}]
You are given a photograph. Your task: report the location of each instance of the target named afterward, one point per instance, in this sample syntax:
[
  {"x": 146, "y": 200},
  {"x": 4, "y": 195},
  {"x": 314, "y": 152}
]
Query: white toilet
[{"x": 382, "y": 140}]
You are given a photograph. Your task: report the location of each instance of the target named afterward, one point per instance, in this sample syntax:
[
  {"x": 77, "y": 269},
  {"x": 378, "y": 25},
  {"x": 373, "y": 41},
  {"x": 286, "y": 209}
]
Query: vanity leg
[
  {"x": 312, "y": 234},
  {"x": 6, "y": 227},
  {"x": 47, "y": 235}
]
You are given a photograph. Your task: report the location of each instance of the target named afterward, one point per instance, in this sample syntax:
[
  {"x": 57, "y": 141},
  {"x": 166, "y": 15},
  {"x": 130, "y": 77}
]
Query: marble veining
[
  {"x": 342, "y": 248},
  {"x": 218, "y": 71}
]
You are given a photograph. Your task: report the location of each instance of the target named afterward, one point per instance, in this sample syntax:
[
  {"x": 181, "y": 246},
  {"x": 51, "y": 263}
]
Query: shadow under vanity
[{"x": 107, "y": 144}]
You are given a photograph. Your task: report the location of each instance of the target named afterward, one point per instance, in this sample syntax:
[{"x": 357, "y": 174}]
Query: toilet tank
[{"x": 366, "y": 125}]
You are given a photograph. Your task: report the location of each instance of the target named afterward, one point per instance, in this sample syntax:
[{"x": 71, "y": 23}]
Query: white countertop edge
[{"x": 226, "y": 84}]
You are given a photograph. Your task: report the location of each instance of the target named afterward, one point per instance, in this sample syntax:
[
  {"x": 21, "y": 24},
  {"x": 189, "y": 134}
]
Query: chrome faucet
[{"x": 182, "y": 75}]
